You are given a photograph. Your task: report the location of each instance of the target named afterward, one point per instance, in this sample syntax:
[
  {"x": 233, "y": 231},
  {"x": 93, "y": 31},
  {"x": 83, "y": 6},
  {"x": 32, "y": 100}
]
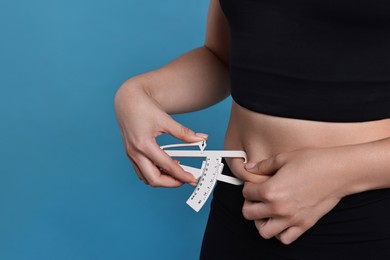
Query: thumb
[
  {"x": 264, "y": 167},
  {"x": 253, "y": 167},
  {"x": 184, "y": 133}
]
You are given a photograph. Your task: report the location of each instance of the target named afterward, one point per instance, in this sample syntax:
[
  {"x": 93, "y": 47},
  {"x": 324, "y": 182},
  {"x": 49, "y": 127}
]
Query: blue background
[{"x": 67, "y": 190}]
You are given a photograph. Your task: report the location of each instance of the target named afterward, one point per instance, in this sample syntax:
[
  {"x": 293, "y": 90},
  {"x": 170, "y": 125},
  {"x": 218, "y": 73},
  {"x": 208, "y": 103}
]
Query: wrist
[
  {"x": 364, "y": 167},
  {"x": 133, "y": 90}
]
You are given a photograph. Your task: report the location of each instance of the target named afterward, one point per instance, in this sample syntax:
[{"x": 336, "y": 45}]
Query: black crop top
[{"x": 325, "y": 60}]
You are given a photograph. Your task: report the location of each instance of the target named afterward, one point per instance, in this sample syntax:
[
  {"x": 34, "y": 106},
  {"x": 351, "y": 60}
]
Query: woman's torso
[{"x": 307, "y": 74}]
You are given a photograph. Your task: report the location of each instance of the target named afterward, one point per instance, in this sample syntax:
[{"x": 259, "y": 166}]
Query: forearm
[
  {"x": 365, "y": 166},
  {"x": 193, "y": 81}
]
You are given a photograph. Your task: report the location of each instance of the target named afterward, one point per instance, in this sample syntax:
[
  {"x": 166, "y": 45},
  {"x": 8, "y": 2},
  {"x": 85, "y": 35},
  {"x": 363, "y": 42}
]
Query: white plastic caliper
[{"x": 209, "y": 173}]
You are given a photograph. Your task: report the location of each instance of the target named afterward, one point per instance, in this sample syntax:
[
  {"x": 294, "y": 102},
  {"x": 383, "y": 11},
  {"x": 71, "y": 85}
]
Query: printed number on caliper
[{"x": 209, "y": 173}]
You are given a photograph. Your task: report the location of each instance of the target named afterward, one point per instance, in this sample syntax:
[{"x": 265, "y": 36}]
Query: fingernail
[
  {"x": 249, "y": 165},
  {"x": 193, "y": 184},
  {"x": 202, "y": 135},
  {"x": 192, "y": 179}
]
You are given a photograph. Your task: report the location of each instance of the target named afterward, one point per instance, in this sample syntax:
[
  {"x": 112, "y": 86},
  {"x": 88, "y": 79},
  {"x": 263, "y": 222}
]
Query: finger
[
  {"x": 138, "y": 172},
  {"x": 165, "y": 173},
  {"x": 272, "y": 227},
  {"x": 170, "y": 167},
  {"x": 266, "y": 167},
  {"x": 290, "y": 235},
  {"x": 255, "y": 210},
  {"x": 237, "y": 166},
  {"x": 183, "y": 133},
  {"x": 154, "y": 176},
  {"x": 254, "y": 192},
  {"x": 260, "y": 222}
]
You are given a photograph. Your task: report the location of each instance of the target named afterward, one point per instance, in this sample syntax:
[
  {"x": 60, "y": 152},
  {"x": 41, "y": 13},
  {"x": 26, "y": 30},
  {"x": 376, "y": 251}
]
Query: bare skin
[{"x": 298, "y": 170}]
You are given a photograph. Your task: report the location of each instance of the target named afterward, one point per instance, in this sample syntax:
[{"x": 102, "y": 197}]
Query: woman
[{"x": 310, "y": 82}]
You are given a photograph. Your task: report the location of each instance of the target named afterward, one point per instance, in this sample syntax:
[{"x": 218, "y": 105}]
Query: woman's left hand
[{"x": 303, "y": 186}]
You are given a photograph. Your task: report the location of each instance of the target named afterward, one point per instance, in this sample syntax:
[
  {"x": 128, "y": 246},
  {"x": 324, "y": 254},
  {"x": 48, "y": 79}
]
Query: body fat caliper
[{"x": 209, "y": 173}]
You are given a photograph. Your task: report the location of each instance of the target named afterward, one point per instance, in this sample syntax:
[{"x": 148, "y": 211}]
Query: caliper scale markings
[{"x": 208, "y": 174}]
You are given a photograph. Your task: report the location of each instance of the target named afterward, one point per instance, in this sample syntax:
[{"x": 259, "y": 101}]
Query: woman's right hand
[{"x": 141, "y": 119}]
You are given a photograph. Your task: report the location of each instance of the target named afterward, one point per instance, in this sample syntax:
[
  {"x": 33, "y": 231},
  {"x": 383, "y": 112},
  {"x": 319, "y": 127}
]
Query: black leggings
[{"x": 357, "y": 228}]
